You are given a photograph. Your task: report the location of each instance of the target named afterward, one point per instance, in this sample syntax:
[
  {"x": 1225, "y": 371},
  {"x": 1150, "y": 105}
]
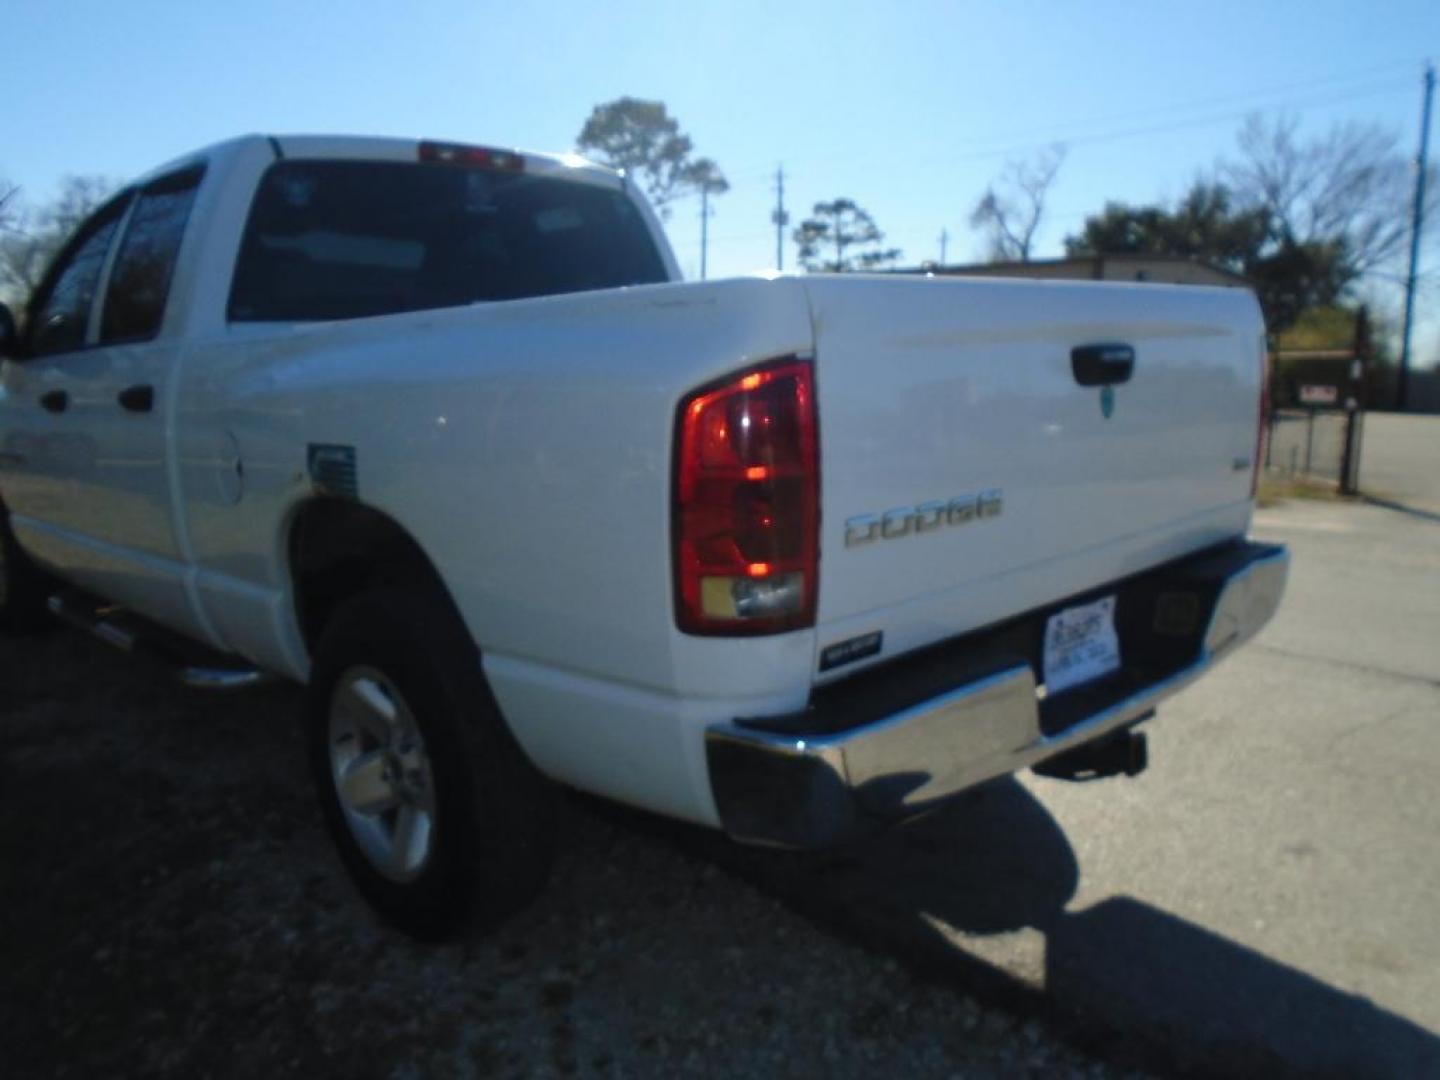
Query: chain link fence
[
  {"x": 1309, "y": 442},
  {"x": 1317, "y": 410}
]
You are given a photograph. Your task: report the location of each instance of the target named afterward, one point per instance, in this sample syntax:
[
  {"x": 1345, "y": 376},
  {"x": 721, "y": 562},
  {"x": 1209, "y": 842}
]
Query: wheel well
[{"x": 338, "y": 549}]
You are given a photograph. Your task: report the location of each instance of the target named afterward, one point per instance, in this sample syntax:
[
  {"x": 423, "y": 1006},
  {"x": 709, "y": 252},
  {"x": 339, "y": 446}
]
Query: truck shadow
[
  {"x": 955, "y": 894},
  {"x": 1221, "y": 1007},
  {"x": 1400, "y": 507},
  {"x": 195, "y": 853}
]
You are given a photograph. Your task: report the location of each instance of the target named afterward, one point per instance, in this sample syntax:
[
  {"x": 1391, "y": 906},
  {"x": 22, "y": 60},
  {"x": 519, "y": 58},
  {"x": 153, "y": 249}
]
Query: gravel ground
[{"x": 170, "y": 906}]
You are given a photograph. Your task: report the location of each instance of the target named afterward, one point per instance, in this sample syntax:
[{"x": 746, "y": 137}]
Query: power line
[
  {"x": 1371, "y": 89},
  {"x": 1250, "y": 96},
  {"x": 1029, "y": 139},
  {"x": 749, "y": 237},
  {"x": 1127, "y": 133},
  {"x": 1162, "y": 129}
]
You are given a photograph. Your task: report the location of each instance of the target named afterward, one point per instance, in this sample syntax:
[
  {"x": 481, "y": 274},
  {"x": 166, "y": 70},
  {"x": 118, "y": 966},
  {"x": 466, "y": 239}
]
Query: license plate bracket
[{"x": 1080, "y": 645}]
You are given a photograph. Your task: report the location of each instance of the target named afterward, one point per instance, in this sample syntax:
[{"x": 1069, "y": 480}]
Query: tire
[
  {"x": 24, "y": 587},
  {"x": 398, "y": 707}
]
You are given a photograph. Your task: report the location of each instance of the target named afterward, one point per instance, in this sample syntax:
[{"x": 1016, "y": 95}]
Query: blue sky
[{"x": 910, "y": 108}]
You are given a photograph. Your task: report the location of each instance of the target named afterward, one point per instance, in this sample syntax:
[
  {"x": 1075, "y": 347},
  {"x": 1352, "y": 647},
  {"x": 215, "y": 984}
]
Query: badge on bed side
[
  {"x": 847, "y": 652},
  {"x": 332, "y": 469}
]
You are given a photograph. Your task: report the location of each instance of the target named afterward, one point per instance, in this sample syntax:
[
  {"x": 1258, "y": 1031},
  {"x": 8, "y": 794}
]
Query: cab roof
[{"x": 380, "y": 148}]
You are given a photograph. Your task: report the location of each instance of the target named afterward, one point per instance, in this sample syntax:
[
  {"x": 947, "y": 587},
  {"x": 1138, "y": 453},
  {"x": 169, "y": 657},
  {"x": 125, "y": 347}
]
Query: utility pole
[
  {"x": 1355, "y": 404},
  {"x": 1417, "y": 223},
  {"x": 704, "y": 226},
  {"x": 944, "y": 240},
  {"x": 780, "y": 218}
]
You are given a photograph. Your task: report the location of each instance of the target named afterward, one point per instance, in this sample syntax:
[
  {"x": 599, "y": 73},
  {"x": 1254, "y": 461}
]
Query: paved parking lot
[
  {"x": 1261, "y": 901},
  {"x": 1271, "y": 882},
  {"x": 1263, "y": 898},
  {"x": 169, "y": 907},
  {"x": 1400, "y": 459}
]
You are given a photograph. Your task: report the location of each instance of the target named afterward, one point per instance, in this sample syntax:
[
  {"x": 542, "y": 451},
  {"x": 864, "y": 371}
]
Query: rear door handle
[
  {"x": 54, "y": 401},
  {"x": 139, "y": 398},
  {"x": 1102, "y": 365}
]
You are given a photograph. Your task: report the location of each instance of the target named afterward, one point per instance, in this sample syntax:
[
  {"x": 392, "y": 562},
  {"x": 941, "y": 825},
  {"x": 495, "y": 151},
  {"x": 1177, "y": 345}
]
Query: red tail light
[{"x": 747, "y": 504}]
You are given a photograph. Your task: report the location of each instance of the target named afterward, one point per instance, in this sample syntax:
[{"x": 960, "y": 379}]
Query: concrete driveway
[
  {"x": 1262, "y": 901},
  {"x": 1400, "y": 459},
  {"x": 1266, "y": 898}
]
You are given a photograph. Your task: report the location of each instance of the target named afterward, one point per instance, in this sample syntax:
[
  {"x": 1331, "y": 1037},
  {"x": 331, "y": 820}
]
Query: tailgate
[{"x": 975, "y": 477}]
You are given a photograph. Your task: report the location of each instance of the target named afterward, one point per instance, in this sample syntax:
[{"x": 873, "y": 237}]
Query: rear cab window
[
  {"x": 139, "y": 283},
  {"x": 349, "y": 239}
]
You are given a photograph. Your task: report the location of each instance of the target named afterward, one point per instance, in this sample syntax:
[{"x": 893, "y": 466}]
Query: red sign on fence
[{"x": 1319, "y": 395}]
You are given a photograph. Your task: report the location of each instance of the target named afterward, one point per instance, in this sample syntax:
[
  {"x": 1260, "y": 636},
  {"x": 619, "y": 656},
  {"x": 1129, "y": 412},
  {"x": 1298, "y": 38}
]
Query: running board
[{"x": 193, "y": 665}]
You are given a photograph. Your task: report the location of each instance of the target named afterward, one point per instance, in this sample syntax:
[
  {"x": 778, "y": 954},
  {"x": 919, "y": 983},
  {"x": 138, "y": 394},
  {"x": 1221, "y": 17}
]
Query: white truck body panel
[
  {"x": 932, "y": 389},
  {"x": 527, "y": 445}
]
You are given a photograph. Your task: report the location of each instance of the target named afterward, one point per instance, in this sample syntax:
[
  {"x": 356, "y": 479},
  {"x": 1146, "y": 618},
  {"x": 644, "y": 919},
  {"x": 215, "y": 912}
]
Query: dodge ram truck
[{"x": 439, "y": 432}]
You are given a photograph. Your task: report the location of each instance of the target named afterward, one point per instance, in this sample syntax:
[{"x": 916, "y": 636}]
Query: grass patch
[{"x": 1275, "y": 490}]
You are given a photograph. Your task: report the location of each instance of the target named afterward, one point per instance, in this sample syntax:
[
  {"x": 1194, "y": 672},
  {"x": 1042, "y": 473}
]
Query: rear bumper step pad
[{"x": 825, "y": 775}]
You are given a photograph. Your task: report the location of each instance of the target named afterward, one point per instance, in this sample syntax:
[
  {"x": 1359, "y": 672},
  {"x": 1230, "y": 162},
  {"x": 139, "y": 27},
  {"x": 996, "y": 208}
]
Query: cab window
[
  {"x": 61, "y": 308},
  {"x": 350, "y": 239},
  {"x": 140, "y": 280}
]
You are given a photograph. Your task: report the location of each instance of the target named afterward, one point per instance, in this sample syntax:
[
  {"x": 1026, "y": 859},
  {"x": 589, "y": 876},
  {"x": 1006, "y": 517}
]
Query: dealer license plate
[{"x": 1080, "y": 645}]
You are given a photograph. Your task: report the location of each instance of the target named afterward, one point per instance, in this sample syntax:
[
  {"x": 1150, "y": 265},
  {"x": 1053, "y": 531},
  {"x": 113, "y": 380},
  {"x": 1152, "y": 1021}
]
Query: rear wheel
[
  {"x": 23, "y": 585},
  {"x": 438, "y": 815}
]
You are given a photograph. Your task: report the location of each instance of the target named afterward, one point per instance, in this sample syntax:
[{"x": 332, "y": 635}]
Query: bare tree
[
  {"x": 31, "y": 238},
  {"x": 8, "y": 191},
  {"x": 1352, "y": 185},
  {"x": 1011, "y": 216}
]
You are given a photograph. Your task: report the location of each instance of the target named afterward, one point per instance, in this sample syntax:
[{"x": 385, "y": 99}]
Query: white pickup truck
[{"x": 438, "y": 431}]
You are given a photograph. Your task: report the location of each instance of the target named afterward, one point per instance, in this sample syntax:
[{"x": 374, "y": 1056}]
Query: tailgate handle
[
  {"x": 55, "y": 401},
  {"x": 1102, "y": 365}
]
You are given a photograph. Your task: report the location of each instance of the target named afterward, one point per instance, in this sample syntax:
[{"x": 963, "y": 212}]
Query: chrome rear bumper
[{"x": 796, "y": 790}]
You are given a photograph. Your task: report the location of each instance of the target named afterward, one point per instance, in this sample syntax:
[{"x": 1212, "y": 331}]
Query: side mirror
[{"x": 9, "y": 338}]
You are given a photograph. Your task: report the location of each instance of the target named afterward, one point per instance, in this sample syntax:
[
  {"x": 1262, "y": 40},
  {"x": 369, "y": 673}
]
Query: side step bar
[{"x": 193, "y": 665}]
